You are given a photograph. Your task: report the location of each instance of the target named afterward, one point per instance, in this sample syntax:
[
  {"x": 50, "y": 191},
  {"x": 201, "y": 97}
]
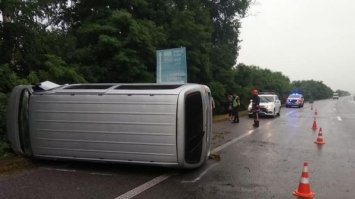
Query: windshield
[
  {"x": 294, "y": 96},
  {"x": 266, "y": 98}
]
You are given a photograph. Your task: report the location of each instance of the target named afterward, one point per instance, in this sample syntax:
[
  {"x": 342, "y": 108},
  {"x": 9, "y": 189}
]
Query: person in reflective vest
[
  {"x": 255, "y": 107},
  {"x": 230, "y": 107},
  {"x": 235, "y": 106}
]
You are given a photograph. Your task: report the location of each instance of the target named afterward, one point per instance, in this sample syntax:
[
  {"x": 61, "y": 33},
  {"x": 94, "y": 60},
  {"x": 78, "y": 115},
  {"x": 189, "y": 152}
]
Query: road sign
[{"x": 171, "y": 65}]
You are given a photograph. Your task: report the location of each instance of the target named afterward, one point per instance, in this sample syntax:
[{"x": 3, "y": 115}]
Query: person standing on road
[
  {"x": 235, "y": 106},
  {"x": 230, "y": 107},
  {"x": 255, "y": 107}
]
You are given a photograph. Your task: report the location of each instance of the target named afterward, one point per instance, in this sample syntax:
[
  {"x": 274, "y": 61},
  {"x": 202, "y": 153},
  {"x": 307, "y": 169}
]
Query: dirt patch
[
  {"x": 220, "y": 118},
  {"x": 14, "y": 165},
  {"x": 224, "y": 117},
  {"x": 219, "y": 137},
  {"x": 216, "y": 157}
]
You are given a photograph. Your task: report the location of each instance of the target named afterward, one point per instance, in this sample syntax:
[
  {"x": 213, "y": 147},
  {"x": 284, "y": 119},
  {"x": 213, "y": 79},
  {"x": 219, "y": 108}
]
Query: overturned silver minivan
[{"x": 158, "y": 124}]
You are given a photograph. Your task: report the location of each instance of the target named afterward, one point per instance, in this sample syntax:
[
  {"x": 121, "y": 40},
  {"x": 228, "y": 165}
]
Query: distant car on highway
[
  {"x": 335, "y": 96},
  {"x": 270, "y": 105},
  {"x": 295, "y": 100}
]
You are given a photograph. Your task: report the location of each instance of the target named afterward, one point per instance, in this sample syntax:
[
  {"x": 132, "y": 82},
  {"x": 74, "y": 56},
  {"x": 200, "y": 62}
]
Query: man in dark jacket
[{"x": 255, "y": 106}]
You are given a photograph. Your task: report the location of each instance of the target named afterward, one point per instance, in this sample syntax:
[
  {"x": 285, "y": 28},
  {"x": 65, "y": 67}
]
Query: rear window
[{"x": 266, "y": 98}]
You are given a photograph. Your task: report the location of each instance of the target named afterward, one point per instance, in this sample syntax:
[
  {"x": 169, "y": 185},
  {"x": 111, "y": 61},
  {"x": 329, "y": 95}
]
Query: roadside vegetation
[{"x": 115, "y": 41}]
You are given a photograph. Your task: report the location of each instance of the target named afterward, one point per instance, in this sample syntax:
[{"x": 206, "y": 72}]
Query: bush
[
  {"x": 219, "y": 95},
  {"x": 5, "y": 149}
]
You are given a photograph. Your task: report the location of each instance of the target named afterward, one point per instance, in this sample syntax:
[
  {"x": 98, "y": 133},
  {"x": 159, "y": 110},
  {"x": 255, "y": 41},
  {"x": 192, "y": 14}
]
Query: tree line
[
  {"x": 244, "y": 78},
  {"x": 342, "y": 92},
  {"x": 73, "y": 41}
]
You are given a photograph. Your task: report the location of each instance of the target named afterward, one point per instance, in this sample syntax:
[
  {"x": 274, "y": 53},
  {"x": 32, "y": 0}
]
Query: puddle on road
[
  {"x": 262, "y": 143},
  {"x": 229, "y": 187}
]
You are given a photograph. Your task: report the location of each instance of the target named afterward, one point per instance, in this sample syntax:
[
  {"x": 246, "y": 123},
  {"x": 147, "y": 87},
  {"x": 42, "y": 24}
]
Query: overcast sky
[{"x": 303, "y": 39}]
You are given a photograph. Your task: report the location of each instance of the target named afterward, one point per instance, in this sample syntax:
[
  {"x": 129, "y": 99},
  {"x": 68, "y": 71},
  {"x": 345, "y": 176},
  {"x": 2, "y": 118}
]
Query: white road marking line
[
  {"x": 201, "y": 175},
  {"x": 157, "y": 180},
  {"x": 66, "y": 170},
  {"x": 339, "y": 118},
  {"x": 143, "y": 187},
  {"x": 100, "y": 174},
  {"x": 218, "y": 149},
  {"x": 227, "y": 144}
]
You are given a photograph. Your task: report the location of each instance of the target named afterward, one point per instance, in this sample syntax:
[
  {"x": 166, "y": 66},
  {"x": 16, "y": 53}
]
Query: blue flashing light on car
[{"x": 295, "y": 100}]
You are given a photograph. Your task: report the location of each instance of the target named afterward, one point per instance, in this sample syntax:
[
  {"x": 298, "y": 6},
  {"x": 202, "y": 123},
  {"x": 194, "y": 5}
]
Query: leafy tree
[
  {"x": 249, "y": 77},
  {"x": 190, "y": 26},
  {"x": 113, "y": 45},
  {"x": 225, "y": 17},
  {"x": 342, "y": 93},
  {"x": 8, "y": 80},
  {"x": 219, "y": 96},
  {"x": 312, "y": 90}
]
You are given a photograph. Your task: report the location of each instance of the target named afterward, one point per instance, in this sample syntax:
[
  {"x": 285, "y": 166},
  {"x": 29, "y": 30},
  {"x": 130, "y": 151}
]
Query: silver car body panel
[{"x": 120, "y": 125}]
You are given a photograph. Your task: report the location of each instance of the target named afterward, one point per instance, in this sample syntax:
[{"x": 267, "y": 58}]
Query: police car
[
  {"x": 295, "y": 100},
  {"x": 270, "y": 105}
]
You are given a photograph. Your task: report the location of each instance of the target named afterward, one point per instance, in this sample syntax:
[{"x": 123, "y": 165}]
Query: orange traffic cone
[
  {"x": 314, "y": 126},
  {"x": 304, "y": 188},
  {"x": 316, "y": 112},
  {"x": 320, "y": 137}
]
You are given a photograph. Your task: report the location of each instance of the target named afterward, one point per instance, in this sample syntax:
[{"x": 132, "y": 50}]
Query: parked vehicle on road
[
  {"x": 335, "y": 96},
  {"x": 270, "y": 105},
  {"x": 295, "y": 100}
]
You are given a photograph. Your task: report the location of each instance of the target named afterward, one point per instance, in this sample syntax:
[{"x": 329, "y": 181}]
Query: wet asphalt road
[{"x": 255, "y": 163}]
